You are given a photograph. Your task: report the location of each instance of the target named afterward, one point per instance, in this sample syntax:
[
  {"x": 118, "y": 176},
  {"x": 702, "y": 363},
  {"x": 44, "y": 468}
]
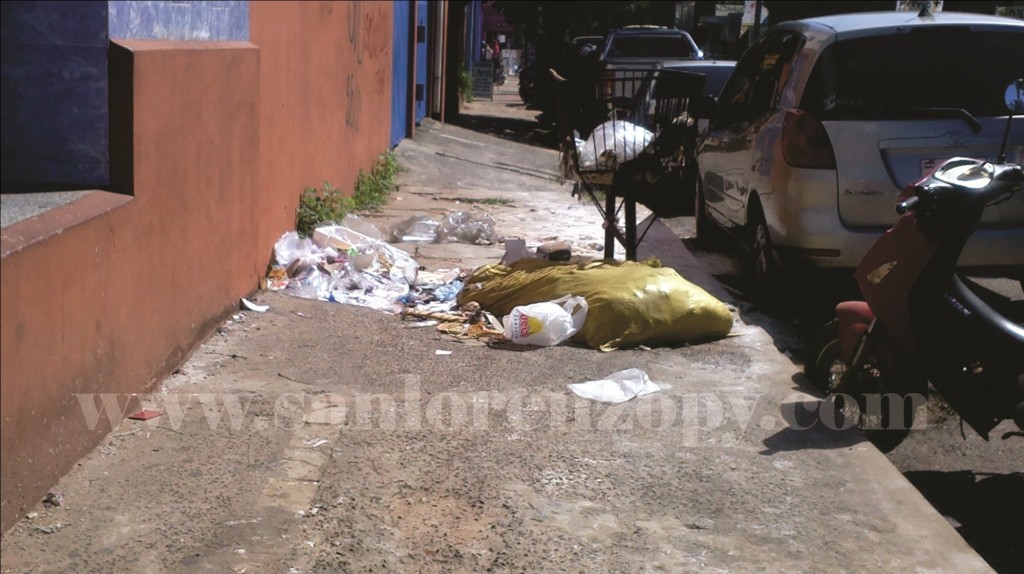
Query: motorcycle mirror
[{"x": 1015, "y": 96}]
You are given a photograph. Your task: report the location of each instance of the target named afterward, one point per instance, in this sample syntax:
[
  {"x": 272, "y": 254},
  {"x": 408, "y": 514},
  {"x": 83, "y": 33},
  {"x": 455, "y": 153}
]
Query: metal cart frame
[{"x": 638, "y": 166}]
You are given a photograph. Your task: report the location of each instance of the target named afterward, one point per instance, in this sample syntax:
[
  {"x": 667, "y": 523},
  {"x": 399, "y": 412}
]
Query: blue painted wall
[
  {"x": 162, "y": 20},
  {"x": 400, "y": 71},
  {"x": 53, "y": 70},
  {"x": 53, "y": 67}
]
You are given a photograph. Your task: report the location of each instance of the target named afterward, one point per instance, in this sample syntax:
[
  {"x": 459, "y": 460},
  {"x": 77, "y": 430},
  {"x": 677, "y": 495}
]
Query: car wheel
[{"x": 767, "y": 275}]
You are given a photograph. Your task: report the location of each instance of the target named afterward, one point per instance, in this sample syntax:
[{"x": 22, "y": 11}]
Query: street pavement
[{"x": 319, "y": 437}]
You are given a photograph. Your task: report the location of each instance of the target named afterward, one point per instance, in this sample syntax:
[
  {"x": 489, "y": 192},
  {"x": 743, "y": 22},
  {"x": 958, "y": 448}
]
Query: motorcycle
[{"x": 920, "y": 321}]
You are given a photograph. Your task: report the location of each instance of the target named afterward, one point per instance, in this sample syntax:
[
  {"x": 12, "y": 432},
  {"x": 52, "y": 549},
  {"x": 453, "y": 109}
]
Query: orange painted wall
[
  {"x": 216, "y": 142},
  {"x": 325, "y": 99},
  {"x": 109, "y": 294}
]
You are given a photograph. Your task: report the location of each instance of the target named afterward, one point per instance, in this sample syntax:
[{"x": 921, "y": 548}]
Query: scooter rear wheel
[{"x": 868, "y": 405}]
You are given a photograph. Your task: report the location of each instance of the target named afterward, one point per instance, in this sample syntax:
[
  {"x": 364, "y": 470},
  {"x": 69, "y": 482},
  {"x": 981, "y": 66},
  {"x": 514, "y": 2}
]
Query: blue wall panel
[
  {"x": 193, "y": 21},
  {"x": 400, "y": 71},
  {"x": 53, "y": 67},
  {"x": 54, "y": 110}
]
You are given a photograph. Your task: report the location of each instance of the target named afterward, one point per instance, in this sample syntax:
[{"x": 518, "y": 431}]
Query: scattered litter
[
  {"x": 240, "y": 551},
  {"x": 54, "y": 498},
  {"x": 50, "y": 529},
  {"x": 301, "y": 314},
  {"x": 345, "y": 266},
  {"x": 145, "y": 415},
  {"x": 555, "y": 251},
  {"x": 416, "y": 229},
  {"x": 360, "y": 225},
  {"x": 254, "y": 307},
  {"x": 515, "y": 249},
  {"x": 463, "y": 227},
  {"x": 31, "y": 515},
  {"x": 617, "y": 387},
  {"x": 424, "y": 323},
  {"x": 442, "y": 352},
  {"x": 315, "y": 442}
]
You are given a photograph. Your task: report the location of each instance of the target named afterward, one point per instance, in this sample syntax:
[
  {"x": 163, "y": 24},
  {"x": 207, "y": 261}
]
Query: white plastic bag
[
  {"x": 612, "y": 143},
  {"x": 617, "y": 387},
  {"x": 546, "y": 324}
]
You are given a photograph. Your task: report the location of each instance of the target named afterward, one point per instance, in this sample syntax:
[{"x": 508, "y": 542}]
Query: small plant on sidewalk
[
  {"x": 465, "y": 84},
  {"x": 318, "y": 206}
]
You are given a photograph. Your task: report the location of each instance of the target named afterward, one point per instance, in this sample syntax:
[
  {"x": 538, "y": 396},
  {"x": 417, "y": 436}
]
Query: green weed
[{"x": 329, "y": 204}]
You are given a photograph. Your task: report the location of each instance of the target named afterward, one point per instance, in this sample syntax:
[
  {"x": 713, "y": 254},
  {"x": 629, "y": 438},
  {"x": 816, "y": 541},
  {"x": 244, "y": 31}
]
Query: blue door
[
  {"x": 421, "y": 60},
  {"x": 400, "y": 71}
]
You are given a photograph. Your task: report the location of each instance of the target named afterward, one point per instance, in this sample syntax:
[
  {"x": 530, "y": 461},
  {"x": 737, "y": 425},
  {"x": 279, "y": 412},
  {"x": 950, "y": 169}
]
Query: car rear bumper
[{"x": 991, "y": 248}]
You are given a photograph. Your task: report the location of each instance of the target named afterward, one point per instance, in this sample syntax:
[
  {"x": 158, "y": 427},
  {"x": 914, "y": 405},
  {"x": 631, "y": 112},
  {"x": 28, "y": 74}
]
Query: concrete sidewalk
[{"x": 328, "y": 438}]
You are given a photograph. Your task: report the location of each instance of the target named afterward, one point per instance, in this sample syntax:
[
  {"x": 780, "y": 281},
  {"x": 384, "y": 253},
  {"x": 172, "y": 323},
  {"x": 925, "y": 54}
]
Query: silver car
[{"x": 824, "y": 122}]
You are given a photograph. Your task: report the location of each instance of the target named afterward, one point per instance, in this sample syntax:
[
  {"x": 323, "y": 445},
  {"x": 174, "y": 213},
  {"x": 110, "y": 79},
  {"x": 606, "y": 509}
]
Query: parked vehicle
[
  {"x": 639, "y": 48},
  {"x": 825, "y": 120},
  {"x": 920, "y": 321}
]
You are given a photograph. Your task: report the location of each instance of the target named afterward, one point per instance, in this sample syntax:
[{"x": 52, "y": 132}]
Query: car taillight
[{"x": 805, "y": 142}]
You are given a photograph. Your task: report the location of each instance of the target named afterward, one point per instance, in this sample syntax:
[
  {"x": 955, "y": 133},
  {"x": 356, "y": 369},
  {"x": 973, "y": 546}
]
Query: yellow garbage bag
[{"x": 629, "y": 303}]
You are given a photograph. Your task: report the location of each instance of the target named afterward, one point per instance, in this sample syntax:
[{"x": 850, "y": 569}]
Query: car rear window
[
  {"x": 650, "y": 47},
  {"x": 932, "y": 67}
]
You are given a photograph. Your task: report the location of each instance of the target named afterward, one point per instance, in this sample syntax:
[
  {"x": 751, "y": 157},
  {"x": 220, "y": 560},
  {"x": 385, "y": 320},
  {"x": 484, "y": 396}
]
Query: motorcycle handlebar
[{"x": 906, "y": 205}]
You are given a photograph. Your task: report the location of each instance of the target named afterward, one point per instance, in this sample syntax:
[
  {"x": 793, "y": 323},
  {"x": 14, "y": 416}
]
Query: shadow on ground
[
  {"x": 987, "y": 511},
  {"x": 524, "y": 131}
]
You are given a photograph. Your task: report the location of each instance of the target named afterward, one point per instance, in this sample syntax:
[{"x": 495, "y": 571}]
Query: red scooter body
[
  {"x": 919, "y": 322},
  {"x": 886, "y": 276}
]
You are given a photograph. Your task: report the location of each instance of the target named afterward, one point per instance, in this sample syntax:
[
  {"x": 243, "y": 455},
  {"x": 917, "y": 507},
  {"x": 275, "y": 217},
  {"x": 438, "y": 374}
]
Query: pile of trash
[
  {"x": 541, "y": 299},
  {"x": 343, "y": 265}
]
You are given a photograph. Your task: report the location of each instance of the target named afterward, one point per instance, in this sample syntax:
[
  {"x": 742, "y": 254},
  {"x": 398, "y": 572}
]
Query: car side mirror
[
  {"x": 703, "y": 107},
  {"x": 1015, "y": 97}
]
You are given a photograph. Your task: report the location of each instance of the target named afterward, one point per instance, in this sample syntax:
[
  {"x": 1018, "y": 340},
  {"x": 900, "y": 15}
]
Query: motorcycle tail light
[{"x": 805, "y": 143}]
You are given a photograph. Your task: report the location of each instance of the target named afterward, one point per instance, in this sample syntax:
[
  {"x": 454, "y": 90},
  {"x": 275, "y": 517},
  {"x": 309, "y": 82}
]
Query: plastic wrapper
[
  {"x": 291, "y": 247},
  {"x": 617, "y": 387},
  {"x": 612, "y": 143},
  {"x": 360, "y": 225},
  {"x": 464, "y": 227},
  {"x": 416, "y": 229},
  {"x": 629, "y": 303}
]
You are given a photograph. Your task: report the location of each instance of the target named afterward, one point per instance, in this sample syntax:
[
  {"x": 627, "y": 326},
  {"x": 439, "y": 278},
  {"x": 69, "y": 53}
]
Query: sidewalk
[{"x": 328, "y": 438}]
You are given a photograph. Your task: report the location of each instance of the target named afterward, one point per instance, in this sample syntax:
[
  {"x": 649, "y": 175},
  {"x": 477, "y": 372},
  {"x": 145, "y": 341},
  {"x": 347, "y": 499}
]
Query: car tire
[{"x": 767, "y": 275}]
